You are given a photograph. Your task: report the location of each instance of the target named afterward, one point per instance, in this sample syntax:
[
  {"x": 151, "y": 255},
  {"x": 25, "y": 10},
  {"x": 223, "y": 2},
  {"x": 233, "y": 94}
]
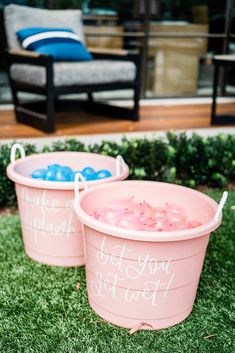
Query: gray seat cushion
[
  {"x": 17, "y": 17},
  {"x": 77, "y": 73}
]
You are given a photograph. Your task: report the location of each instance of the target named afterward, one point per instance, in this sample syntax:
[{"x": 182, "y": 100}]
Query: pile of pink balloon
[{"x": 142, "y": 216}]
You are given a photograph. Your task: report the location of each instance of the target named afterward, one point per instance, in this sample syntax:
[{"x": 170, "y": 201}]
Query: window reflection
[{"x": 172, "y": 66}]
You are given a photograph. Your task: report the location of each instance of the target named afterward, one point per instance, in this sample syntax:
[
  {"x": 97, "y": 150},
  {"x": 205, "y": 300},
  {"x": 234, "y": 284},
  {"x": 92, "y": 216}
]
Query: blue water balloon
[
  {"x": 70, "y": 176},
  {"x": 103, "y": 173},
  {"x": 88, "y": 171},
  {"x": 50, "y": 174},
  {"x": 54, "y": 166},
  {"x": 66, "y": 170},
  {"x": 90, "y": 177},
  {"x": 56, "y": 172},
  {"x": 38, "y": 174},
  {"x": 60, "y": 175}
]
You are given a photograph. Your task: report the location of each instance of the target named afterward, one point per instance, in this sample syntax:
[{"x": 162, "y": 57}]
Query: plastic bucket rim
[
  {"x": 55, "y": 185},
  {"x": 139, "y": 235}
]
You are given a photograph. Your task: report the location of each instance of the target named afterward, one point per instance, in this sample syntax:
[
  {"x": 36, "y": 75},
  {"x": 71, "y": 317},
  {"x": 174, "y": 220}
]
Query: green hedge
[{"x": 191, "y": 161}]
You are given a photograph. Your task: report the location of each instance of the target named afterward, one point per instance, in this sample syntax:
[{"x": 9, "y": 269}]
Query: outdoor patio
[{"x": 155, "y": 116}]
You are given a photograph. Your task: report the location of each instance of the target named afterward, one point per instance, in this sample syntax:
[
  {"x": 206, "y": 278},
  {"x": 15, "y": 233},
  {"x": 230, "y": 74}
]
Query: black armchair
[{"x": 39, "y": 74}]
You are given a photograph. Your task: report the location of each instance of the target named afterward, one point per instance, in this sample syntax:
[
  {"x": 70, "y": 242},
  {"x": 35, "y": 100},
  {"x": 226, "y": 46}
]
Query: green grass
[{"x": 42, "y": 311}]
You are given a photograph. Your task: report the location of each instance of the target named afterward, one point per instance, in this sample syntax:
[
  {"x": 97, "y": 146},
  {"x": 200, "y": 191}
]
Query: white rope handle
[
  {"x": 139, "y": 326},
  {"x": 14, "y": 148},
  {"x": 221, "y": 205},
  {"x": 79, "y": 177},
  {"x": 120, "y": 163}
]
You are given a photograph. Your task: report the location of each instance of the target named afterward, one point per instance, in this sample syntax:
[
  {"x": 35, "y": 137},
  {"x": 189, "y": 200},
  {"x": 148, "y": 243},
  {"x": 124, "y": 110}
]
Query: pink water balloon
[
  {"x": 176, "y": 209},
  {"x": 129, "y": 214},
  {"x": 110, "y": 216},
  {"x": 176, "y": 218},
  {"x": 143, "y": 208},
  {"x": 129, "y": 221},
  {"x": 162, "y": 224},
  {"x": 194, "y": 224},
  {"x": 158, "y": 212}
]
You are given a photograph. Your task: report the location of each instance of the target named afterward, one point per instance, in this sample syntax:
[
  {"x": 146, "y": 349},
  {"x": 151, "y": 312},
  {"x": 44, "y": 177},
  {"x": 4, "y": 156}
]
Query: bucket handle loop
[
  {"x": 120, "y": 163},
  {"x": 14, "y": 148},
  {"x": 221, "y": 205},
  {"x": 79, "y": 177},
  {"x": 139, "y": 326}
]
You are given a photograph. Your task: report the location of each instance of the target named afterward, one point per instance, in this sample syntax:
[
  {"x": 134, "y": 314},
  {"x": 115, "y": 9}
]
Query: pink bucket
[
  {"x": 145, "y": 279},
  {"x": 51, "y": 231}
]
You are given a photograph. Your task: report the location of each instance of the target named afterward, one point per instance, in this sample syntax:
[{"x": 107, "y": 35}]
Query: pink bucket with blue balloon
[{"x": 51, "y": 232}]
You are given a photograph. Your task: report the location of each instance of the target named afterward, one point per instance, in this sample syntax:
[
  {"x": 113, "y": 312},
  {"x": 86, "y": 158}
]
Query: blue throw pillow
[{"x": 61, "y": 43}]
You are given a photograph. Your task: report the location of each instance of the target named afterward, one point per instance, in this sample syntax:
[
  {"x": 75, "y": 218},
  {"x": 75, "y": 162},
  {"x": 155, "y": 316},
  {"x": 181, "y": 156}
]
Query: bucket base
[
  {"x": 54, "y": 260},
  {"x": 126, "y": 322}
]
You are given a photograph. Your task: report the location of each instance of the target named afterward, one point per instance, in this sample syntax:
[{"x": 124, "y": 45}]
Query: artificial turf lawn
[{"x": 42, "y": 311}]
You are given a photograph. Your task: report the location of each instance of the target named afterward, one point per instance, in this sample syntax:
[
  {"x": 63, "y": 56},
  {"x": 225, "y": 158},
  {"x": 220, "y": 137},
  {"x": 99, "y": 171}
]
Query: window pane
[
  {"x": 105, "y": 26},
  {"x": 179, "y": 66},
  {"x": 173, "y": 66},
  {"x": 110, "y": 25}
]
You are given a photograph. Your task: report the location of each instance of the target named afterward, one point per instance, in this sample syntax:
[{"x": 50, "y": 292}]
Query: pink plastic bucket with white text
[
  {"x": 141, "y": 278},
  {"x": 51, "y": 231}
]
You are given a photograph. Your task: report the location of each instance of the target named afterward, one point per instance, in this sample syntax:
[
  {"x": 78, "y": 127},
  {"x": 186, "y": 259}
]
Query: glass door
[
  {"x": 183, "y": 36},
  {"x": 177, "y": 39},
  {"x": 110, "y": 25}
]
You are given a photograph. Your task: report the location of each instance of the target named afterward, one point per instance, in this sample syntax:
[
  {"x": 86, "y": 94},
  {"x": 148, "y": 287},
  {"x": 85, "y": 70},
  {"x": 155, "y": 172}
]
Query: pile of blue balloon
[{"x": 56, "y": 172}]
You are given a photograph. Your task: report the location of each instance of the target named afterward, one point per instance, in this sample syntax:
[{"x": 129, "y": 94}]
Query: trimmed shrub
[{"x": 190, "y": 161}]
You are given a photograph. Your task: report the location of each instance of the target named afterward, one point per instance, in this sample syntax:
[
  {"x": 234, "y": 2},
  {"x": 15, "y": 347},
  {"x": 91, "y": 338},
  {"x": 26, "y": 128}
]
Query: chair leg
[
  {"x": 30, "y": 113},
  {"x": 15, "y": 99},
  {"x": 214, "y": 96},
  {"x": 50, "y": 112},
  {"x": 90, "y": 97},
  {"x": 136, "y": 115}
]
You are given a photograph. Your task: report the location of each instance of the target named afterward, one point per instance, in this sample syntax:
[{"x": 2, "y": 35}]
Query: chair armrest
[
  {"x": 15, "y": 56},
  {"x": 28, "y": 57},
  {"x": 115, "y": 54},
  {"x": 94, "y": 50}
]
